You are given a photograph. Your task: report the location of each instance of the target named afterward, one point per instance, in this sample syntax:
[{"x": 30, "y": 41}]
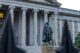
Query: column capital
[
  {"x": 24, "y": 9},
  {"x": 46, "y": 11},
  {"x": 0, "y": 5},
  {"x": 35, "y": 10},
  {"x": 12, "y": 7},
  {"x": 56, "y": 13}
]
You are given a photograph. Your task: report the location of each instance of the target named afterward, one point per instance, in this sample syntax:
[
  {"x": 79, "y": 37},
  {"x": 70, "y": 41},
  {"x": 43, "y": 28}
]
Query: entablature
[
  {"x": 61, "y": 17},
  {"x": 69, "y": 12},
  {"x": 50, "y": 8},
  {"x": 29, "y": 5}
]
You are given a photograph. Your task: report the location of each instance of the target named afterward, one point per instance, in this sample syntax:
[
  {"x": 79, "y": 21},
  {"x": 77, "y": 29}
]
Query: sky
[{"x": 70, "y": 4}]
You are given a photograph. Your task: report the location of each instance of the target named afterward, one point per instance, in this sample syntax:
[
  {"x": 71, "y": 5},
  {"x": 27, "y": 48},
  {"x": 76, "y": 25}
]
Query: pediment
[{"x": 50, "y": 2}]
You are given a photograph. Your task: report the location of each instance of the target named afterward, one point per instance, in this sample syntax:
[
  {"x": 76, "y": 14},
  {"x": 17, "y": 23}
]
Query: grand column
[
  {"x": 23, "y": 41},
  {"x": 60, "y": 27},
  {"x": 76, "y": 27},
  {"x": 55, "y": 28},
  {"x": 12, "y": 13},
  {"x": 35, "y": 26},
  {"x": 73, "y": 32},
  {"x": 45, "y": 16}
]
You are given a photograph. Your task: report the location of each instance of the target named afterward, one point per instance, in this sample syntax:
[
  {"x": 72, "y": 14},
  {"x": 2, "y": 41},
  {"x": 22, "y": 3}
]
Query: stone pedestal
[{"x": 47, "y": 49}]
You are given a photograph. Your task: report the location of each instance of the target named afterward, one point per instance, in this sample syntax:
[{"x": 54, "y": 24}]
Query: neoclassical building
[{"x": 28, "y": 18}]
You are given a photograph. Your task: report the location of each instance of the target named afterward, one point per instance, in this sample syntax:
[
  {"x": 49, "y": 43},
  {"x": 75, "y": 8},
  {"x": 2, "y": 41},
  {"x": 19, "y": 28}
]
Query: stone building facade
[{"x": 28, "y": 18}]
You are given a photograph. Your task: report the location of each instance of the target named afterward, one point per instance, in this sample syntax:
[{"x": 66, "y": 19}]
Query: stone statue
[{"x": 47, "y": 33}]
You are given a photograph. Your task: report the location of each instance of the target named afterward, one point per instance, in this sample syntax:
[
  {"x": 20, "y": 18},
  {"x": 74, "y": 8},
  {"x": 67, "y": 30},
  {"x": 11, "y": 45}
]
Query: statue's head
[{"x": 46, "y": 24}]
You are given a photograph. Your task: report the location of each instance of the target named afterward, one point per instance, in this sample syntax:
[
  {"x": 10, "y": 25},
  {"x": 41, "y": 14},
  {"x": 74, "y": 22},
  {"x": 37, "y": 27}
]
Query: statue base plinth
[{"x": 47, "y": 48}]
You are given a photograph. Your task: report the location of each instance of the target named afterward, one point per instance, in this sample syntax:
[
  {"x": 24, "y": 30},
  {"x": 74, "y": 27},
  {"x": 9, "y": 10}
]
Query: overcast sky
[{"x": 71, "y": 4}]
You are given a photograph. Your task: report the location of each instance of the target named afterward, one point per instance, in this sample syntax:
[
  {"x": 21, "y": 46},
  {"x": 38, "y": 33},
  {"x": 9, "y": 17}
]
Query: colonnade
[{"x": 35, "y": 16}]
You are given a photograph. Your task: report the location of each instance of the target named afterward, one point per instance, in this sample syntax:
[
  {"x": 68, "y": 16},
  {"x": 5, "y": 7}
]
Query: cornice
[{"x": 69, "y": 12}]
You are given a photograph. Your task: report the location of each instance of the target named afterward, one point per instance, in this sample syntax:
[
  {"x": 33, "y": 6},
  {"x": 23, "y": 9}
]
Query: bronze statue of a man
[{"x": 47, "y": 33}]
